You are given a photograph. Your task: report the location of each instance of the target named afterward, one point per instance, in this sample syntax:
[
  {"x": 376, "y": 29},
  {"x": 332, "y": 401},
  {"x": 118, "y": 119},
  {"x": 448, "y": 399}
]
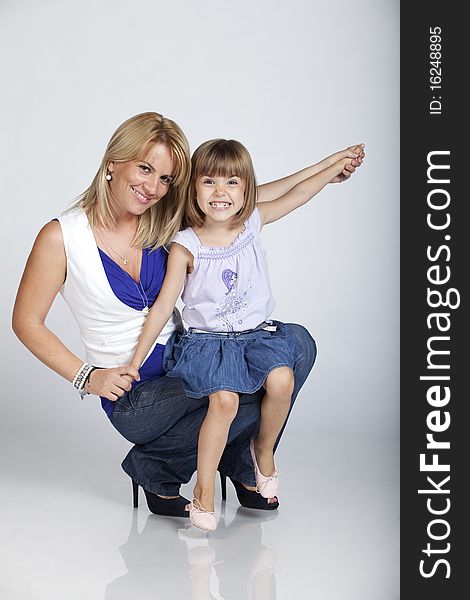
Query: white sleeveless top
[
  {"x": 229, "y": 288},
  {"x": 109, "y": 328}
]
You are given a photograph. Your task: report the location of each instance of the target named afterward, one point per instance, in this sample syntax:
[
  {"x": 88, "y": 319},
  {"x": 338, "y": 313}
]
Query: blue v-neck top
[{"x": 135, "y": 295}]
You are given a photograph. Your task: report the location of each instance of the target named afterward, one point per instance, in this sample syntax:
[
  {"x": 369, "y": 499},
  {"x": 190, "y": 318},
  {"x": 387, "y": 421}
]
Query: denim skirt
[{"x": 237, "y": 362}]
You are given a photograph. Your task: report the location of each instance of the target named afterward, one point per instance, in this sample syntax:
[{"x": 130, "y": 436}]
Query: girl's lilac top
[{"x": 229, "y": 288}]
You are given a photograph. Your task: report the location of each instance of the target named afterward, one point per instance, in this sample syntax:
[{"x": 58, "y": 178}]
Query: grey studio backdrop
[{"x": 294, "y": 81}]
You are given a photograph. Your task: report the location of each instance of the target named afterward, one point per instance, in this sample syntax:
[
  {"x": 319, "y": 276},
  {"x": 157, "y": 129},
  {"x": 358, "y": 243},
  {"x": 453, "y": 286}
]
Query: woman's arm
[
  {"x": 42, "y": 279},
  {"x": 179, "y": 260},
  {"x": 301, "y": 193},
  {"x": 275, "y": 189}
]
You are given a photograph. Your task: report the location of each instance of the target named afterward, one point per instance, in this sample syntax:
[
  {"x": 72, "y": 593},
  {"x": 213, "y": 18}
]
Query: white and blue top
[{"x": 109, "y": 306}]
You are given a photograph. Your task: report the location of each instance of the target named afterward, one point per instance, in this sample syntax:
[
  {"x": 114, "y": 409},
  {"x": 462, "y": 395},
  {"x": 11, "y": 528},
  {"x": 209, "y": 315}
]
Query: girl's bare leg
[
  {"x": 223, "y": 407},
  {"x": 279, "y": 386}
]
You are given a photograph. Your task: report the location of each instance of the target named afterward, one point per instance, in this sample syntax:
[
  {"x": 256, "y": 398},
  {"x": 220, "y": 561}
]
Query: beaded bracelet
[
  {"x": 83, "y": 391},
  {"x": 81, "y": 377}
]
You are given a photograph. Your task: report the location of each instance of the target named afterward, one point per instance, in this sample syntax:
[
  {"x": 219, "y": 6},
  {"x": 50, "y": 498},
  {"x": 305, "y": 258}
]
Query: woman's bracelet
[{"x": 81, "y": 378}]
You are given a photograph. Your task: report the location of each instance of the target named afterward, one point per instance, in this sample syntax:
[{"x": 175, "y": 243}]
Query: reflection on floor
[
  {"x": 201, "y": 566},
  {"x": 69, "y": 535}
]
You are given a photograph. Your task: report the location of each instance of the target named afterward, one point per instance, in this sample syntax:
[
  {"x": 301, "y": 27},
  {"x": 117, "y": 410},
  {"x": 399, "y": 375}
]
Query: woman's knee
[
  {"x": 305, "y": 344},
  {"x": 303, "y": 339}
]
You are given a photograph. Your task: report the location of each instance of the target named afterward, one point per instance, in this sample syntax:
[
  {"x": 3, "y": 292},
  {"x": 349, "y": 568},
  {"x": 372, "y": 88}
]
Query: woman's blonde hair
[
  {"x": 221, "y": 158},
  {"x": 157, "y": 225}
]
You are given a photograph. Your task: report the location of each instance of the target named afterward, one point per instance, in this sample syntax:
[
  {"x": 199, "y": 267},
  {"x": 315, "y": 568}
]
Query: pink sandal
[
  {"x": 202, "y": 518},
  {"x": 266, "y": 486}
]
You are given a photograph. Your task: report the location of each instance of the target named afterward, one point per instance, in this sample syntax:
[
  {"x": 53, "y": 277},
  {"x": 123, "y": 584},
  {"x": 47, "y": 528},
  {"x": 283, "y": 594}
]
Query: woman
[{"x": 106, "y": 257}]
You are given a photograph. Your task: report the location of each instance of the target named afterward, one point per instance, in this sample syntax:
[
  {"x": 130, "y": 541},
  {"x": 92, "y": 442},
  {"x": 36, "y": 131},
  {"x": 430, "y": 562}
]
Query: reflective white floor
[{"x": 68, "y": 533}]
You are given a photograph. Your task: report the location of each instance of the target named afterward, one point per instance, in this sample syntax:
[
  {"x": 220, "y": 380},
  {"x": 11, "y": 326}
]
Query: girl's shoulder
[
  {"x": 189, "y": 240},
  {"x": 187, "y": 234}
]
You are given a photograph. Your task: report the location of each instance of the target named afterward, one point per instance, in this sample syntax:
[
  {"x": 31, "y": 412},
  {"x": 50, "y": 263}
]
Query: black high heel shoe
[
  {"x": 247, "y": 498},
  {"x": 165, "y": 507}
]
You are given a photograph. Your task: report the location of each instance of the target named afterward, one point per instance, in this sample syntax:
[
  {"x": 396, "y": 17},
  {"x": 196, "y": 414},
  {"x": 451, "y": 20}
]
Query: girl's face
[
  {"x": 139, "y": 184},
  {"x": 220, "y": 198}
]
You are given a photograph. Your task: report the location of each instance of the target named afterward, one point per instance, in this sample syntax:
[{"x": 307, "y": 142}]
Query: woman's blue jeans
[{"x": 164, "y": 425}]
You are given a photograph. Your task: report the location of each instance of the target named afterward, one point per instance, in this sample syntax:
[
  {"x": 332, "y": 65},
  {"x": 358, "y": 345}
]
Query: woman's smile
[{"x": 142, "y": 197}]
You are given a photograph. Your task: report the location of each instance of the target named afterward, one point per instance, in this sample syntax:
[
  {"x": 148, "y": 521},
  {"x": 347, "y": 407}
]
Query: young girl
[{"x": 231, "y": 347}]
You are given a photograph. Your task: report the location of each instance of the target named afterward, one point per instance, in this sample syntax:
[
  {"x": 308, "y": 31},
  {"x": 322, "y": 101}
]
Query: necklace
[
  {"x": 143, "y": 295},
  {"x": 139, "y": 287},
  {"x": 124, "y": 259}
]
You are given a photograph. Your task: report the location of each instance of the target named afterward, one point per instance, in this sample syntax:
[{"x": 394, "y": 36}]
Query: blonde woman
[{"x": 107, "y": 258}]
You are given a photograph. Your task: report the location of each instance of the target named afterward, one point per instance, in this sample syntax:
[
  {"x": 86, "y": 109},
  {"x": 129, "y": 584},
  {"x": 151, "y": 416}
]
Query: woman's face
[{"x": 139, "y": 184}]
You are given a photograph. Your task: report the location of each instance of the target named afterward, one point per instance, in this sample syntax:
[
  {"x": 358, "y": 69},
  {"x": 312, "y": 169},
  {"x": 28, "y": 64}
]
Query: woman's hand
[
  {"x": 357, "y": 153},
  {"x": 112, "y": 383}
]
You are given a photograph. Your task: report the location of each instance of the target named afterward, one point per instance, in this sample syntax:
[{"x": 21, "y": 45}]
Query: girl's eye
[
  {"x": 233, "y": 182},
  {"x": 166, "y": 179},
  {"x": 144, "y": 169},
  {"x": 207, "y": 181}
]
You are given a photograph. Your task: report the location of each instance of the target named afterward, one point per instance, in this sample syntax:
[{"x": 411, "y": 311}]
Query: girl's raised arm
[
  {"x": 179, "y": 260},
  {"x": 274, "y": 189},
  {"x": 301, "y": 193}
]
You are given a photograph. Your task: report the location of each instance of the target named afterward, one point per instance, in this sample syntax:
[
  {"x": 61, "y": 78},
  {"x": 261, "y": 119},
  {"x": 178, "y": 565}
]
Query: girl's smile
[
  {"x": 220, "y": 198},
  {"x": 220, "y": 205}
]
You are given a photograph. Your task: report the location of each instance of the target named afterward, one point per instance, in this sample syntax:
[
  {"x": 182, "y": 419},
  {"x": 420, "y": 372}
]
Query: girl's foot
[
  {"x": 205, "y": 496},
  {"x": 264, "y": 458},
  {"x": 267, "y": 485},
  {"x": 202, "y": 518}
]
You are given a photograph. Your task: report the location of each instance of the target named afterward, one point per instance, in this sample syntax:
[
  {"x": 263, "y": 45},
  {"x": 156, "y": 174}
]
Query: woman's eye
[
  {"x": 144, "y": 169},
  {"x": 166, "y": 179}
]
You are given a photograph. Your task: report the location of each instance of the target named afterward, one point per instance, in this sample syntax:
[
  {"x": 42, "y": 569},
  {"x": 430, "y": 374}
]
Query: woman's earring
[{"x": 109, "y": 176}]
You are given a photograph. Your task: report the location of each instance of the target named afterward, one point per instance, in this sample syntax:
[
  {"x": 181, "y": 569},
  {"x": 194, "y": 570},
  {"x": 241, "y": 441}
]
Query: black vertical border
[{"x": 421, "y": 133}]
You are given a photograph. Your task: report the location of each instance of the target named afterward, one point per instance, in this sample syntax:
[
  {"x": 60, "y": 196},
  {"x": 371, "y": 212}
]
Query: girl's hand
[
  {"x": 112, "y": 383},
  {"x": 356, "y": 153},
  {"x": 341, "y": 170}
]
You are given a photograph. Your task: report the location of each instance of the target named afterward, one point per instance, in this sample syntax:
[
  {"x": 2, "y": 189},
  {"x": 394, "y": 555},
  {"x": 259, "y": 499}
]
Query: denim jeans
[{"x": 164, "y": 425}]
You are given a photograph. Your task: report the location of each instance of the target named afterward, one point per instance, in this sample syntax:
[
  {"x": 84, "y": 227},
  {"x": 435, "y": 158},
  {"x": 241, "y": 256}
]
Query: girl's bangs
[{"x": 222, "y": 162}]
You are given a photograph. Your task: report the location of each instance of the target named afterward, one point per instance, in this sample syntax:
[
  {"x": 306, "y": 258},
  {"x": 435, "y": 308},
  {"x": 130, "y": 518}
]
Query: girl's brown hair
[{"x": 221, "y": 158}]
